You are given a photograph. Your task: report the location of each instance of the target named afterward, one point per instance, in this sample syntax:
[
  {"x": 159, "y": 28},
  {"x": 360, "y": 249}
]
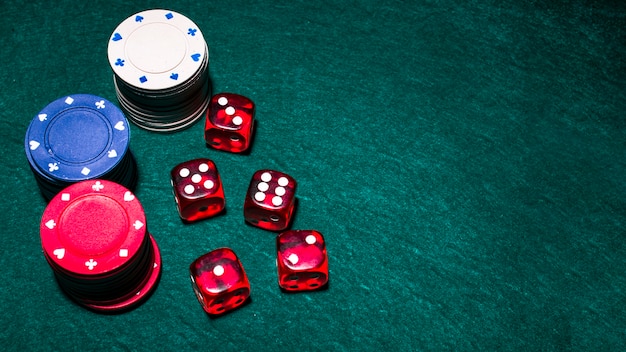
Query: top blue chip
[{"x": 77, "y": 137}]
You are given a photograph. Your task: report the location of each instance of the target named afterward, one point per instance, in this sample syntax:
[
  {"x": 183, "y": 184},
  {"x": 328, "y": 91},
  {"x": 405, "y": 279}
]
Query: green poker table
[{"x": 464, "y": 160}]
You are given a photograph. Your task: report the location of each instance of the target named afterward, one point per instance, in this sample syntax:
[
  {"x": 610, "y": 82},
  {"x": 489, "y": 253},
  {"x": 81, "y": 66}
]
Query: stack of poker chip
[
  {"x": 76, "y": 138},
  {"x": 94, "y": 236},
  {"x": 160, "y": 63}
]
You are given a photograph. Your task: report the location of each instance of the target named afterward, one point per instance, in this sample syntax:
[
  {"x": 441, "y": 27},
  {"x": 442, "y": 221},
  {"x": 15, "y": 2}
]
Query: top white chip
[{"x": 156, "y": 49}]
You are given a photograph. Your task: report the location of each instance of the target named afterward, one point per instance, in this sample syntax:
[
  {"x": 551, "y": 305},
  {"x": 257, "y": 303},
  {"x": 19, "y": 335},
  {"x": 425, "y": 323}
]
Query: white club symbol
[
  {"x": 97, "y": 187},
  {"x": 90, "y": 264},
  {"x": 53, "y": 167},
  {"x": 100, "y": 104}
]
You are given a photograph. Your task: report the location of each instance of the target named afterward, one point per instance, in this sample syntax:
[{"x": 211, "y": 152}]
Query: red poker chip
[
  {"x": 95, "y": 240},
  {"x": 143, "y": 290},
  {"x": 92, "y": 227}
]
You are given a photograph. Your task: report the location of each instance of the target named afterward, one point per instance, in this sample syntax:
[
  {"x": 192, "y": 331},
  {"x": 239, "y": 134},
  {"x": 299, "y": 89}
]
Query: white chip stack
[{"x": 160, "y": 62}]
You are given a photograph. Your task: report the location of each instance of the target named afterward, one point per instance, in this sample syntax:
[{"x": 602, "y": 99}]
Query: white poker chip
[
  {"x": 160, "y": 63},
  {"x": 156, "y": 49}
]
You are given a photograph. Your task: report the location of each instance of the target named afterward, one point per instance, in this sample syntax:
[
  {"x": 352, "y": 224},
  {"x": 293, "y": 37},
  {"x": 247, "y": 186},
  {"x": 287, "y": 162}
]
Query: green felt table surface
[{"x": 465, "y": 161}]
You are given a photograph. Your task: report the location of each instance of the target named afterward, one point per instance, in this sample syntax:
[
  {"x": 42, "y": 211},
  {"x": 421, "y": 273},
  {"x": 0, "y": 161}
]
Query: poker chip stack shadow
[
  {"x": 94, "y": 236},
  {"x": 79, "y": 137},
  {"x": 160, "y": 63}
]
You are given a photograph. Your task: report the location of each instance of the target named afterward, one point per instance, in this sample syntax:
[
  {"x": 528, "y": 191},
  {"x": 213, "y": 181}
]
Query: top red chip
[{"x": 93, "y": 227}]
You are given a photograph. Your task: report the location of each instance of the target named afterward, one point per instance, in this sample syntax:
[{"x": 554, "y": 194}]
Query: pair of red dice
[
  {"x": 221, "y": 283},
  {"x": 199, "y": 194}
]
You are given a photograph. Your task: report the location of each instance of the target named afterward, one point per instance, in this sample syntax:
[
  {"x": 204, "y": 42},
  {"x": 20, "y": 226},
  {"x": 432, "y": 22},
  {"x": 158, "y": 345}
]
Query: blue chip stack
[{"x": 77, "y": 138}]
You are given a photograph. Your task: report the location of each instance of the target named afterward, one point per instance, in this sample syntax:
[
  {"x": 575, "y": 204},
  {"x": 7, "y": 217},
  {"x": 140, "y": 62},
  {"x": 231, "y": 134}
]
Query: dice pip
[
  {"x": 302, "y": 260},
  {"x": 229, "y": 122},
  {"x": 270, "y": 200},
  {"x": 219, "y": 281},
  {"x": 197, "y": 189}
]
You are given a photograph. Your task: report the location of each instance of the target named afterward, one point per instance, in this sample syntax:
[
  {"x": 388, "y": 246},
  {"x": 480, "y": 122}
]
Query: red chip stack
[{"x": 94, "y": 236}]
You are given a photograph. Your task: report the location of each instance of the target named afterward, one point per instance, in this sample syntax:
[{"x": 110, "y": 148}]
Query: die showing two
[{"x": 217, "y": 277}]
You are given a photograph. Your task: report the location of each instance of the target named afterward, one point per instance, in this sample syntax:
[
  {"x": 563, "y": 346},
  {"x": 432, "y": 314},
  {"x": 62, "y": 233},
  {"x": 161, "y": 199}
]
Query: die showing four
[
  {"x": 229, "y": 122},
  {"x": 270, "y": 200},
  {"x": 302, "y": 261},
  {"x": 219, "y": 281},
  {"x": 197, "y": 189}
]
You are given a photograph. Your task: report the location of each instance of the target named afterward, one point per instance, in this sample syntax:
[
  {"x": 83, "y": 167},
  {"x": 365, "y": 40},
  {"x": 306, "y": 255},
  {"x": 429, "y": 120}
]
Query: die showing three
[{"x": 229, "y": 122}]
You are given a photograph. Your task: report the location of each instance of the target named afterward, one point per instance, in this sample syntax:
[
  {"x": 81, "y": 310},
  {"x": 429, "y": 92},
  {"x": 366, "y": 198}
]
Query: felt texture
[{"x": 464, "y": 160}]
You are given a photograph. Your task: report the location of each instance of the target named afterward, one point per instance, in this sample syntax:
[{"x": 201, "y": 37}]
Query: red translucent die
[
  {"x": 229, "y": 122},
  {"x": 197, "y": 189},
  {"x": 270, "y": 200},
  {"x": 302, "y": 260},
  {"x": 219, "y": 281}
]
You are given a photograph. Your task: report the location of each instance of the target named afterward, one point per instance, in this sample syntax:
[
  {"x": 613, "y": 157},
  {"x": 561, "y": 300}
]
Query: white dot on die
[
  {"x": 277, "y": 201},
  {"x": 259, "y": 196},
  {"x": 237, "y": 120},
  {"x": 310, "y": 239},
  {"x": 262, "y": 186},
  {"x": 196, "y": 178},
  {"x": 293, "y": 258},
  {"x": 280, "y": 191},
  {"x": 266, "y": 177},
  {"x": 283, "y": 181},
  {"x": 203, "y": 167},
  {"x": 218, "y": 270},
  {"x": 222, "y": 101},
  {"x": 184, "y": 172},
  {"x": 230, "y": 110},
  {"x": 208, "y": 184},
  {"x": 189, "y": 189}
]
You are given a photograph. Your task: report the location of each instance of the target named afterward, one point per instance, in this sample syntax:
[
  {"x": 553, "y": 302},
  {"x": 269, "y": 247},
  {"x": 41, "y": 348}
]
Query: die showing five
[{"x": 197, "y": 189}]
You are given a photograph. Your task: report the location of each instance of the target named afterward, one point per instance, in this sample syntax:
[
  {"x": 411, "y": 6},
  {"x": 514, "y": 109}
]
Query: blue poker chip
[{"x": 77, "y": 137}]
